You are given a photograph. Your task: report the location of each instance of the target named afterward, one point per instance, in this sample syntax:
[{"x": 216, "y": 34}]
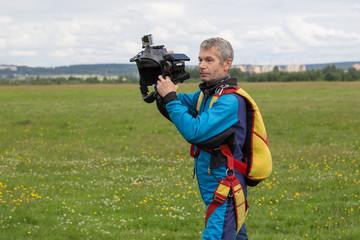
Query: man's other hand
[{"x": 165, "y": 86}]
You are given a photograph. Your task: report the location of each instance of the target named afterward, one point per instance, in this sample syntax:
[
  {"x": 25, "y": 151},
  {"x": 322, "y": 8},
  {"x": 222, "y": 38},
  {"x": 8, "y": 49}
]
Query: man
[{"x": 228, "y": 112}]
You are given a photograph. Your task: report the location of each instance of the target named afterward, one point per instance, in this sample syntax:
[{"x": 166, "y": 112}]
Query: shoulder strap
[
  {"x": 199, "y": 101},
  {"x": 201, "y": 96}
]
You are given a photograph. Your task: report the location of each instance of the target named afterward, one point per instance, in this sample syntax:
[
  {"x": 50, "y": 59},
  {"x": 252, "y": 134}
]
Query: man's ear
[{"x": 227, "y": 64}]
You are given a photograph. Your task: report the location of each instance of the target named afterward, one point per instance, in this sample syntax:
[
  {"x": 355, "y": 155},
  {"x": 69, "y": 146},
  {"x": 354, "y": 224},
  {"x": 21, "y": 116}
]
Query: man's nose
[{"x": 202, "y": 65}]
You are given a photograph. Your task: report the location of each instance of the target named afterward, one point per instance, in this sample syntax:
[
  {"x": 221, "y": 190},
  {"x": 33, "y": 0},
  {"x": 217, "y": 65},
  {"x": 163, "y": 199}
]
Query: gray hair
[{"x": 225, "y": 50}]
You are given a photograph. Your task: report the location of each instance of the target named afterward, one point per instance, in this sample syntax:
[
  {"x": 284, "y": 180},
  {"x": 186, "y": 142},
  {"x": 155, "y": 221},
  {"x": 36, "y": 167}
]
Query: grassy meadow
[{"x": 96, "y": 162}]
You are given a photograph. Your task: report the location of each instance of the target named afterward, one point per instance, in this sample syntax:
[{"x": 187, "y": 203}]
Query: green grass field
[{"x": 96, "y": 162}]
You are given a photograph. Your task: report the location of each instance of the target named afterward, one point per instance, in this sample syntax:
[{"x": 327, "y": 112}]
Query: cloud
[
  {"x": 269, "y": 33},
  {"x": 23, "y": 53},
  {"x": 65, "y": 32},
  {"x": 129, "y": 47},
  {"x": 314, "y": 34},
  {"x": 164, "y": 12},
  {"x": 3, "y": 44},
  {"x": 68, "y": 52},
  {"x": 357, "y": 6},
  {"x": 230, "y": 36},
  {"x": 5, "y": 20}
]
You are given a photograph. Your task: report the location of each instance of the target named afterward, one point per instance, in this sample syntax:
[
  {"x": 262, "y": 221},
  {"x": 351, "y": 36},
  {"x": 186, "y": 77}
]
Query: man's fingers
[{"x": 160, "y": 78}]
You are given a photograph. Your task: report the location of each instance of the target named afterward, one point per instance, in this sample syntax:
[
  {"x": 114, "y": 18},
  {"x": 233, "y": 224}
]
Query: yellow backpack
[{"x": 256, "y": 164}]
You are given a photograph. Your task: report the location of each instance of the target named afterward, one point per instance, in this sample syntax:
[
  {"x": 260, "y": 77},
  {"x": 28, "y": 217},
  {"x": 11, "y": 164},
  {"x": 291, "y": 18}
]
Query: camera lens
[{"x": 167, "y": 66}]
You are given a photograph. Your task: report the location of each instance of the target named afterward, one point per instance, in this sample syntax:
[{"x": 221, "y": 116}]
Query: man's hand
[{"x": 165, "y": 86}]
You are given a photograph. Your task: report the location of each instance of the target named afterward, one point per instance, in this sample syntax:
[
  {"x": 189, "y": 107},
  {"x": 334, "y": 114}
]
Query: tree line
[
  {"x": 329, "y": 73},
  {"x": 60, "y": 80}
]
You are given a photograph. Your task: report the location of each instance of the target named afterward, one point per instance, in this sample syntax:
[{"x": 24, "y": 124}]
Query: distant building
[
  {"x": 295, "y": 68},
  {"x": 241, "y": 67},
  {"x": 267, "y": 68},
  {"x": 254, "y": 69},
  {"x": 10, "y": 67},
  {"x": 83, "y": 76},
  {"x": 356, "y": 66}
]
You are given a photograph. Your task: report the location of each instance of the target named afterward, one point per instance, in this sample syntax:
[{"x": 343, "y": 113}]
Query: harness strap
[
  {"x": 230, "y": 183},
  {"x": 230, "y": 159},
  {"x": 221, "y": 194},
  {"x": 194, "y": 153},
  {"x": 233, "y": 163},
  {"x": 240, "y": 203},
  {"x": 241, "y": 167},
  {"x": 219, "y": 198}
]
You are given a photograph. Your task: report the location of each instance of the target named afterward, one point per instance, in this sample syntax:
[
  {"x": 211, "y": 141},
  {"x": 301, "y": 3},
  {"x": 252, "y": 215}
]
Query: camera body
[{"x": 156, "y": 60}]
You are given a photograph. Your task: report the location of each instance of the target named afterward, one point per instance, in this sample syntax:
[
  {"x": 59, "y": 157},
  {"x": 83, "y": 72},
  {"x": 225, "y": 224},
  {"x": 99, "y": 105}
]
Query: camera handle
[{"x": 151, "y": 97}]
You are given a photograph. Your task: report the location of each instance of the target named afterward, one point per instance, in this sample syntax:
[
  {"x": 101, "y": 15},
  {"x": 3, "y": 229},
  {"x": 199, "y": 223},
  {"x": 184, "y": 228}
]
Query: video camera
[{"x": 154, "y": 61}]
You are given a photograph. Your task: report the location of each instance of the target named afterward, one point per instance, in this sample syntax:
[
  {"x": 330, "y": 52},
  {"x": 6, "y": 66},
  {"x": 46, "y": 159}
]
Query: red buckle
[{"x": 219, "y": 198}]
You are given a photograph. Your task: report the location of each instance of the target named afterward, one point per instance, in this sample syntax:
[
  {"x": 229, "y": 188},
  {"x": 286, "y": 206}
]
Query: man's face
[{"x": 210, "y": 67}]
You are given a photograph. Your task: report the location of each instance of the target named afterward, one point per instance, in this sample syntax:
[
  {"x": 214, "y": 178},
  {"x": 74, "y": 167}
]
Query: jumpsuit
[{"x": 229, "y": 111}]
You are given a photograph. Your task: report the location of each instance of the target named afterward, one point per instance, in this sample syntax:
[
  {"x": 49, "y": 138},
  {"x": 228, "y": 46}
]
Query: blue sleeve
[
  {"x": 221, "y": 116},
  {"x": 190, "y": 101}
]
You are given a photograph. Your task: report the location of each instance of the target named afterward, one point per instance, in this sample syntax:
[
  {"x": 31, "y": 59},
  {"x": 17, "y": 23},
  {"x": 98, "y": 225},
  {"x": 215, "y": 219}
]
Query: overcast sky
[{"x": 56, "y": 33}]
